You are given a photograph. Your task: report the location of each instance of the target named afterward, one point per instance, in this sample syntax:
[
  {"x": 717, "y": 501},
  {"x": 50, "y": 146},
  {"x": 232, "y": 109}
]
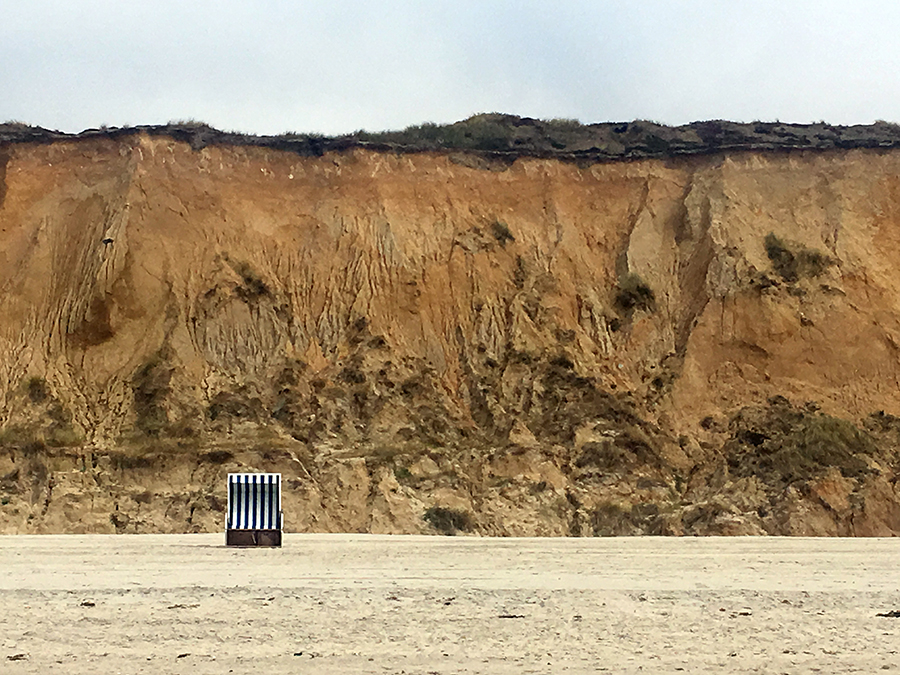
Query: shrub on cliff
[
  {"x": 632, "y": 293},
  {"x": 448, "y": 521},
  {"x": 150, "y": 384},
  {"x": 793, "y": 261},
  {"x": 782, "y": 444},
  {"x": 486, "y": 132},
  {"x": 501, "y": 232},
  {"x": 38, "y": 390},
  {"x": 823, "y": 441},
  {"x": 612, "y": 519}
]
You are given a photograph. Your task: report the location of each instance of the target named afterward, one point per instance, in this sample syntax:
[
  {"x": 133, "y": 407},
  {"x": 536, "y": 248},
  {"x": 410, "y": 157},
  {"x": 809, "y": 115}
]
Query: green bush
[
  {"x": 125, "y": 462},
  {"x": 402, "y": 474},
  {"x": 63, "y": 437},
  {"x": 822, "y": 441},
  {"x": 217, "y": 456},
  {"x": 656, "y": 145},
  {"x": 633, "y": 293},
  {"x": 253, "y": 286},
  {"x": 448, "y": 521},
  {"x": 793, "y": 261},
  {"x": 150, "y": 384},
  {"x": 501, "y": 232},
  {"x": 783, "y": 443},
  {"x": 37, "y": 389},
  {"x": 563, "y": 124},
  {"x": 611, "y": 519},
  {"x": 486, "y": 132},
  {"x": 56, "y": 435}
]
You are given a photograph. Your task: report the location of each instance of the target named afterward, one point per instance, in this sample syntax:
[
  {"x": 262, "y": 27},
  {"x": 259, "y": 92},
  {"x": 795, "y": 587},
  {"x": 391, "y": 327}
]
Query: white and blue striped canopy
[{"x": 254, "y": 501}]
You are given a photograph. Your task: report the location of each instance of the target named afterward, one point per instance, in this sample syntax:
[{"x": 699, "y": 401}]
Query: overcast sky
[{"x": 334, "y": 66}]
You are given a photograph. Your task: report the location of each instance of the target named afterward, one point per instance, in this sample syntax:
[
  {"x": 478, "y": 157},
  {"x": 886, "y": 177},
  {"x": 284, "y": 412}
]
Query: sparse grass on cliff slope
[
  {"x": 403, "y": 334},
  {"x": 782, "y": 444}
]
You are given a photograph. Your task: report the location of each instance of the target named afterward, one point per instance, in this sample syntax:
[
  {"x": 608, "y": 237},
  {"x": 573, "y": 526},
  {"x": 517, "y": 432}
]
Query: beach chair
[{"x": 254, "y": 510}]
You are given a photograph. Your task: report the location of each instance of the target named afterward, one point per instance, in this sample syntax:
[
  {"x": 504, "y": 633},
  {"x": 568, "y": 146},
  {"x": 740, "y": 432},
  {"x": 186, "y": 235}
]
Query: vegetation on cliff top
[{"x": 502, "y": 135}]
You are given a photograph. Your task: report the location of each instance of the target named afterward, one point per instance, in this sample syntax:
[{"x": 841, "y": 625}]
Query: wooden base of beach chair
[{"x": 253, "y": 537}]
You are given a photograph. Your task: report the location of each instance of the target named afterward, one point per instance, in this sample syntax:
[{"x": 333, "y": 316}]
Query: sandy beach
[{"x": 403, "y": 604}]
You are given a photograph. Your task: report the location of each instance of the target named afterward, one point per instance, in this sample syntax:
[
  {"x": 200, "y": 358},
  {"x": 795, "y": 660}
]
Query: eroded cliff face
[{"x": 424, "y": 342}]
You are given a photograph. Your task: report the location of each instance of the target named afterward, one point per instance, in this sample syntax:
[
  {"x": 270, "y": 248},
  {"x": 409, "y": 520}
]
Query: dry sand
[{"x": 401, "y": 604}]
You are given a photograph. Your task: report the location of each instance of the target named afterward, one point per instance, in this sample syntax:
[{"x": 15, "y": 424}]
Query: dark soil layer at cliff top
[{"x": 508, "y": 136}]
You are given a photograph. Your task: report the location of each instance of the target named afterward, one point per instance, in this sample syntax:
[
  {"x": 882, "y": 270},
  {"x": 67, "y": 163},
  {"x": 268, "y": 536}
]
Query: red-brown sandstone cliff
[{"x": 694, "y": 344}]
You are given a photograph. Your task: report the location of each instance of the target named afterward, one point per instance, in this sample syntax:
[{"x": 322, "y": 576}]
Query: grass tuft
[
  {"x": 793, "y": 261},
  {"x": 501, "y": 232},
  {"x": 448, "y": 521},
  {"x": 633, "y": 293}
]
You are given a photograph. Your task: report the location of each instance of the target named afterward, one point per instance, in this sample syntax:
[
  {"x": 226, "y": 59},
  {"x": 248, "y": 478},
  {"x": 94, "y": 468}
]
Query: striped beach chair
[{"x": 254, "y": 509}]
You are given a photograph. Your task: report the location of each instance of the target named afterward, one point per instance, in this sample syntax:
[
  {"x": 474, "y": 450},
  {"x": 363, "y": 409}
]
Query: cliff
[{"x": 421, "y": 339}]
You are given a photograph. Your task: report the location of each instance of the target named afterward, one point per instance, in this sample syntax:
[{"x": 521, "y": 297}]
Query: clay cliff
[{"x": 424, "y": 339}]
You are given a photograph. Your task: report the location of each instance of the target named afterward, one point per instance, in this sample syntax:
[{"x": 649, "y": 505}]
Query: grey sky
[{"x": 269, "y": 66}]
